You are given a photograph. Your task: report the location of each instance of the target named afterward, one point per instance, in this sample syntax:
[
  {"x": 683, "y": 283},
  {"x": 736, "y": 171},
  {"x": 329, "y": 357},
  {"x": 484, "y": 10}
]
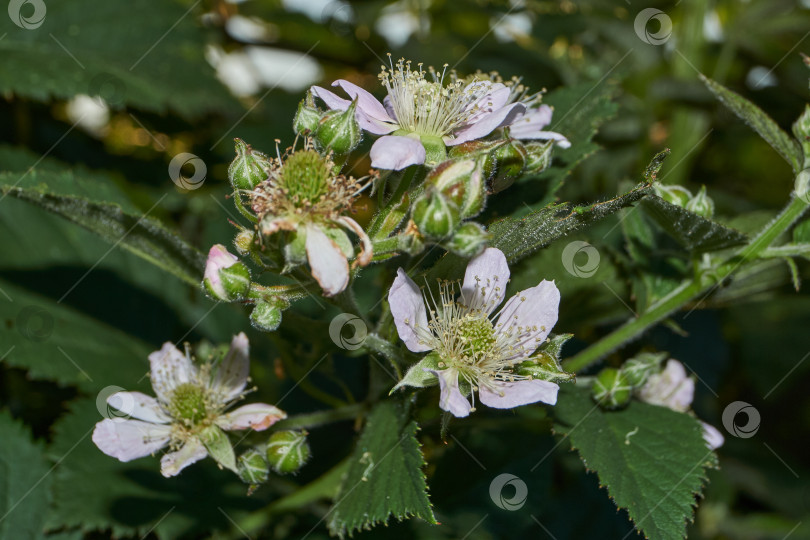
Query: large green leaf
[
  {"x": 759, "y": 122},
  {"x": 692, "y": 231},
  {"x": 651, "y": 459},
  {"x": 153, "y": 61},
  {"x": 24, "y": 482},
  {"x": 385, "y": 475}
]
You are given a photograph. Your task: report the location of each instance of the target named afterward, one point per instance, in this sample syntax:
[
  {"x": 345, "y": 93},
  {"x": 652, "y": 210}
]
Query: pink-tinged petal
[
  {"x": 485, "y": 280},
  {"x": 452, "y": 400},
  {"x": 529, "y": 316},
  {"x": 713, "y": 438},
  {"x": 389, "y": 108},
  {"x": 172, "y": 463},
  {"x": 218, "y": 258},
  {"x": 408, "y": 309},
  {"x": 256, "y": 416},
  {"x": 331, "y": 99},
  {"x": 130, "y": 439},
  {"x": 560, "y": 139},
  {"x": 395, "y": 152},
  {"x": 232, "y": 375},
  {"x": 139, "y": 406},
  {"x": 496, "y": 97},
  {"x": 671, "y": 388},
  {"x": 327, "y": 262},
  {"x": 484, "y": 125},
  {"x": 506, "y": 395},
  {"x": 534, "y": 119},
  {"x": 169, "y": 368},
  {"x": 365, "y": 101}
]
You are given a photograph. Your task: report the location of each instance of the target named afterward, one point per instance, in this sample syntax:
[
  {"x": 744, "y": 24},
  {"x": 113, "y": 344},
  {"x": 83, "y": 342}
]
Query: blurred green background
[{"x": 113, "y": 91}]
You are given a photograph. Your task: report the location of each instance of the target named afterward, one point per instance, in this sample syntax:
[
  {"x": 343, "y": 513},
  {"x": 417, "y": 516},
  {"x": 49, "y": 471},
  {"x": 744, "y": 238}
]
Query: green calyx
[
  {"x": 188, "y": 403},
  {"x": 305, "y": 176}
]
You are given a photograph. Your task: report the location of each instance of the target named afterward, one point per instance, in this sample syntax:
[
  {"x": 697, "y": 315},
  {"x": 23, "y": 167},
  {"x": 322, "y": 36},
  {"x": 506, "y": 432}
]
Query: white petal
[
  {"x": 130, "y": 439},
  {"x": 452, "y": 400},
  {"x": 169, "y": 368},
  {"x": 365, "y": 101},
  {"x": 330, "y": 98},
  {"x": 506, "y": 395},
  {"x": 529, "y": 316},
  {"x": 408, "y": 309},
  {"x": 486, "y": 124},
  {"x": 671, "y": 388},
  {"x": 256, "y": 416},
  {"x": 395, "y": 152},
  {"x": 232, "y": 375},
  {"x": 713, "y": 438},
  {"x": 367, "y": 121},
  {"x": 533, "y": 119},
  {"x": 485, "y": 280},
  {"x": 172, "y": 463},
  {"x": 562, "y": 142},
  {"x": 327, "y": 262},
  {"x": 139, "y": 406}
]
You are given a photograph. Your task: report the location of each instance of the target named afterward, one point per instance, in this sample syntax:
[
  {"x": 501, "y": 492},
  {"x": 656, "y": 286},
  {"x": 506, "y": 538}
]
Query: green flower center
[
  {"x": 305, "y": 176},
  {"x": 476, "y": 334},
  {"x": 188, "y": 403}
]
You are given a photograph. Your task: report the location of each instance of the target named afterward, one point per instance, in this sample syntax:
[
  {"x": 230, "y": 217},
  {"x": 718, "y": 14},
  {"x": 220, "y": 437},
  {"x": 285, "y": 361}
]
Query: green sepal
[
  {"x": 638, "y": 369},
  {"x": 544, "y": 364},
  {"x": 469, "y": 240},
  {"x": 252, "y": 467},
  {"x": 219, "y": 447},
  {"x": 339, "y": 131},
  {"x": 417, "y": 377},
  {"x": 248, "y": 168}
]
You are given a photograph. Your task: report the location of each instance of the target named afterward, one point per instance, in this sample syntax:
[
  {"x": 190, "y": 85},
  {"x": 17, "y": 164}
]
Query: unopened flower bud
[
  {"x": 801, "y": 129},
  {"x": 411, "y": 240},
  {"x": 461, "y": 181},
  {"x": 248, "y": 168},
  {"x": 469, "y": 240},
  {"x": 638, "y": 369},
  {"x": 266, "y": 316},
  {"x": 611, "y": 389},
  {"x": 435, "y": 215},
  {"x": 225, "y": 278},
  {"x": 673, "y": 194},
  {"x": 307, "y": 117},
  {"x": 802, "y": 186},
  {"x": 339, "y": 131},
  {"x": 538, "y": 156},
  {"x": 288, "y": 451},
  {"x": 252, "y": 467},
  {"x": 244, "y": 241},
  {"x": 701, "y": 204},
  {"x": 504, "y": 165}
]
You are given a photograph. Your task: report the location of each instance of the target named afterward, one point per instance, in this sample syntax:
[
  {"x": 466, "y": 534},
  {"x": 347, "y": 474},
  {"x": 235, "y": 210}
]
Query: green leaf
[
  {"x": 385, "y": 475},
  {"x": 153, "y": 60},
  {"x": 759, "y": 122},
  {"x": 24, "y": 482},
  {"x": 137, "y": 232},
  {"x": 690, "y": 230},
  {"x": 651, "y": 459}
]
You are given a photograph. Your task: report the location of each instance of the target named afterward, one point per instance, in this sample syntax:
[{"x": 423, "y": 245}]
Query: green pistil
[
  {"x": 188, "y": 403},
  {"x": 305, "y": 176},
  {"x": 477, "y": 335}
]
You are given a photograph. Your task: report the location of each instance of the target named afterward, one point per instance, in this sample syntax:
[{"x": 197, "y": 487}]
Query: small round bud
[
  {"x": 611, "y": 389},
  {"x": 701, "y": 204},
  {"x": 248, "y": 168},
  {"x": 252, "y": 467},
  {"x": 504, "y": 165},
  {"x": 673, "y": 194},
  {"x": 339, "y": 131},
  {"x": 801, "y": 129},
  {"x": 266, "y": 316},
  {"x": 538, "y": 156},
  {"x": 435, "y": 215},
  {"x": 307, "y": 117},
  {"x": 288, "y": 451},
  {"x": 469, "y": 240},
  {"x": 638, "y": 369},
  {"x": 226, "y": 278},
  {"x": 244, "y": 241}
]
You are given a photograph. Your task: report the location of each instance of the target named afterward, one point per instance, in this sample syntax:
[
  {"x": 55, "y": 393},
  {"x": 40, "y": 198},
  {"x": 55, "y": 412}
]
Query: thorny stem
[{"x": 699, "y": 286}]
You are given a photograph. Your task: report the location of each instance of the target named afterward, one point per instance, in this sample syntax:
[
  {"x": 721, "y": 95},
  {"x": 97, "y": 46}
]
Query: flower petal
[
  {"x": 452, "y": 400},
  {"x": 169, "y": 368},
  {"x": 713, "y": 438},
  {"x": 671, "y": 388},
  {"x": 332, "y": 100},
  {"x": 172, "y": 463},
  {"x": 256, "y": 416},
  {"x": 485, "y": 281},
  {"x": 533, "y": 119},
  {"x": 486, "y": 123},
  {"x": 218, "y": 258},
  {"x": 327, "y": 262},
  {"x": 395, "y": 152},
  {"x": 130, "y": 439},
  {"x": 139, "y": 406},
  {"x": 529, "y": 316},
  {"x": 506, "y": 395},
  {"x": 408, "y": 309},
  {"x": 365, "y": 101},
  {"x": 560, "y": 139},
  {"x": 232, "y": 374}
]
